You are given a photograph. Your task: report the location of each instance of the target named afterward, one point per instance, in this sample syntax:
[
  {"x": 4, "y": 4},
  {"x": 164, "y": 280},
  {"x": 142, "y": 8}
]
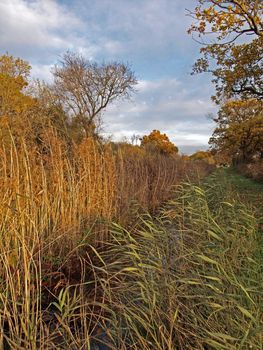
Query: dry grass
[
  {"x": 189, "y": 279},
  {"x": 55, "y": 203}
]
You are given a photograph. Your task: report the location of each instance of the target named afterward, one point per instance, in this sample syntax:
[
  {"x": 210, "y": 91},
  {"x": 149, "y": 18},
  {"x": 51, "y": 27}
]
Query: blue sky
[{"x": 148, "y": 34}]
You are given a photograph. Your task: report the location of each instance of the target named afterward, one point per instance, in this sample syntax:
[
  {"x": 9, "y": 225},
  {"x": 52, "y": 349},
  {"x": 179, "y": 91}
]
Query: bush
[{"x": 253, "y": 170}]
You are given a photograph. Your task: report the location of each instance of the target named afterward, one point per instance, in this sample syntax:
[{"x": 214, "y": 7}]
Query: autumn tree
[
  {"x": 239, "y": 131},
  {"x": 14, "y": 74},
  {"x": 205, "y": 156},
  {"x": 25, "y": 113},
  {"x": 238, "y": 68},
  {"x": 14, "y": 67},
  {"x": 51, "y": 111},
  {"x": 17, "y": 107},
  {"x": 159, "y": 143},
  {"x": 86, "y": 88},
  {"x": 185, "y": 157}
]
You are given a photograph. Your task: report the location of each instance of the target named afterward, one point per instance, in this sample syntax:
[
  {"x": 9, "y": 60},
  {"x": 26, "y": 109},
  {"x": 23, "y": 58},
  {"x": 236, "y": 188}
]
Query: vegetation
[
  {"x": 204, "y": 156},
  {"x": 159, "y": 143},
  {"x": 188, "y": 278},
  {"x": 238, "y": 69},
  {"x": 239, "y": 131},
  {"x": 237, "y": 72},
  {"x": 13, "y": 80},
  {"x": 60, "y": 189},
  {"x": 108, "y": 245},
  {"x": 85, "y": 89}
]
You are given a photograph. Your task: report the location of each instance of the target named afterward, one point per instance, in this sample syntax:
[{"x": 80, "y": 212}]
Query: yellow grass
[{"x": 55, "y": 201}]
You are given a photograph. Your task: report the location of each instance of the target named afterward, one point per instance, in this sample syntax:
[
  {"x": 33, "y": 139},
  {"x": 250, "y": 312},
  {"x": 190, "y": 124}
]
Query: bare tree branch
[{"x": 86, "y": 88}]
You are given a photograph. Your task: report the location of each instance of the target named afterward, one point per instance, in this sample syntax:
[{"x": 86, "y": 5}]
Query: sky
[{"x": 150, "y": 35}]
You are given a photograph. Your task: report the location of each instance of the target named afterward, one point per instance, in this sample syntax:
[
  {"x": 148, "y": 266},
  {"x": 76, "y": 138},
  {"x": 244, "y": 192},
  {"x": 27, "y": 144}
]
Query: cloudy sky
[{"x": 148, "y": 34}]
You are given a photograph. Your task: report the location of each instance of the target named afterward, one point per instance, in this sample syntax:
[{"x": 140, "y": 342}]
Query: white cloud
[
  {"x": 181, "y": 116},
  {"x": 149, "y": 33},
  {"x": 42, "y": 72},
  {"x": 138, "y": 27},
  {"x": 113, "y": 47},
  {"x": 38, "y": 29}
]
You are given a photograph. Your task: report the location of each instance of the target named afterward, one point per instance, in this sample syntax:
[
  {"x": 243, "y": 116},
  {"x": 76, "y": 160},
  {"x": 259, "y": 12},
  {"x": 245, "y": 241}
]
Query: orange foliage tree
[
  {"x": 239, "y": 131},
  {"x": 238, "y": 69},
  {"x": 13, "y": 80},
  {"x": 16, "y": 104},
  {"x": 203, "y": 155},
  {"x": 158, "y": 142}
]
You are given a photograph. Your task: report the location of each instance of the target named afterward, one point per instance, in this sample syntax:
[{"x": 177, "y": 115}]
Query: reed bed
[
  {"x": 56, "y": 202},
  {"x": 189, "y": 279}
]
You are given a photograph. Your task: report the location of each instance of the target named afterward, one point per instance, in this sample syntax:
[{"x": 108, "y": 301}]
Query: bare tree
[
  {"x": 86, "y": 88},
  {"x": 135, "y": 139}
]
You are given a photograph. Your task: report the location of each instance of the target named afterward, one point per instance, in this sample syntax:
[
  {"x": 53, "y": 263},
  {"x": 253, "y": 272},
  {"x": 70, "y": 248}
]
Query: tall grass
[
  {"x": 188, "y": 278},
  {"x": 52, "y": 292},
  {"x": 220, "y": 284},
  {"x": 191, "y": 279}
]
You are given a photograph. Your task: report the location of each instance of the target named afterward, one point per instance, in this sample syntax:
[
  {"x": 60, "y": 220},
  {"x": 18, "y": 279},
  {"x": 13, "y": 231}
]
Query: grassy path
[
  {"x": 246, "y": 191},
  {"x": 249, "y": 191},
  {"x": 190, "y": 278}
]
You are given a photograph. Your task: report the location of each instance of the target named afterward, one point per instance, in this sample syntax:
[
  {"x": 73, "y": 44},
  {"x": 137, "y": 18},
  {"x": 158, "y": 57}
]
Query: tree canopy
[
  {"x": 158, "y": 142},
  {"x": 239, "y": 131},
  {"x": 72, "y": 104},
  {"x": 237, "y": 66},
  {"x": 234, "y": 56},
  {"x": 228, "y": 17},
  {"x": 204, "y": 156},
  {"x": 14, "y": 73},
  {"x": 86, "y": 88},
  {"x": 14, "y": 67}
]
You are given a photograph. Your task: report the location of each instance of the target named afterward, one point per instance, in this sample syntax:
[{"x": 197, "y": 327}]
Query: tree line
[
  {"x": 234, "y": 57},
  {"x": 73, "y": 103}
]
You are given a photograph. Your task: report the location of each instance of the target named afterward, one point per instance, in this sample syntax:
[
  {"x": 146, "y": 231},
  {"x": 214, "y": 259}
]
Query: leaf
[
  {"x": 207, "y": 259},
  {"x": 214, "y": 235},
  {"x": 246, "y": 313}
]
